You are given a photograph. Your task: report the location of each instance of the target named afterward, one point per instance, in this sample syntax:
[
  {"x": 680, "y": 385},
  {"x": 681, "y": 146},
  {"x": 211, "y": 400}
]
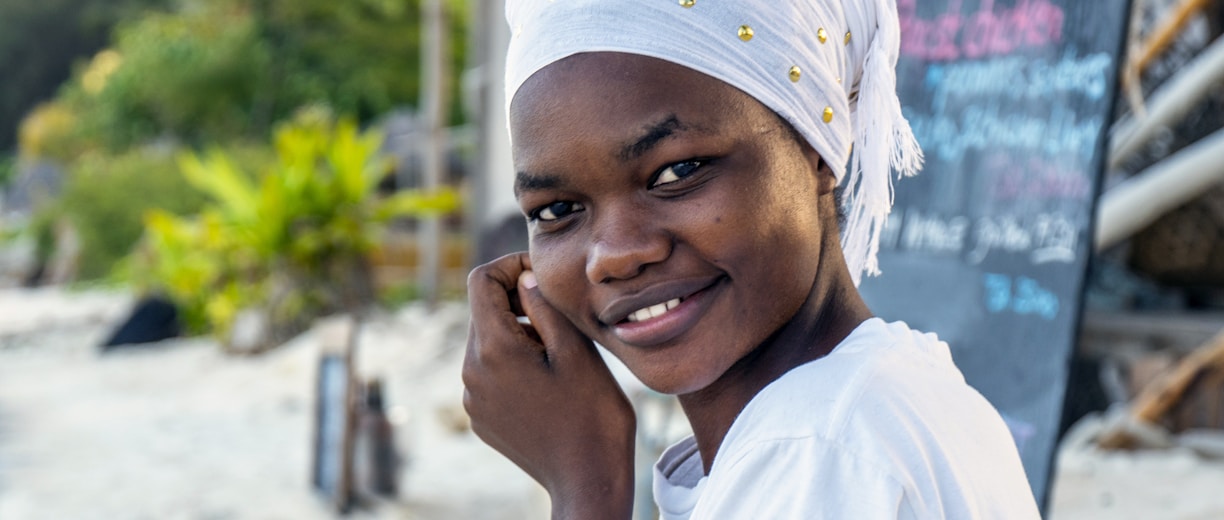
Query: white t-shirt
[{"x": 884, "y": 426}]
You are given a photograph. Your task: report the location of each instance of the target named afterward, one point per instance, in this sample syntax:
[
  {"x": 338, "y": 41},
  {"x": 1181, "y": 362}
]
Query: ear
[{"x": 826, "y": 181}]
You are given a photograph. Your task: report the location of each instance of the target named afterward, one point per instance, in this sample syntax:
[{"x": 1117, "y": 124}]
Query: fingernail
[{"x": 527, "y": 279}]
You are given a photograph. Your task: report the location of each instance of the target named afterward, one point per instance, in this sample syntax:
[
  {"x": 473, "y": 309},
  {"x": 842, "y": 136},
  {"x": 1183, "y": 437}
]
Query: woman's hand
[{"x": 542, "y": 396}]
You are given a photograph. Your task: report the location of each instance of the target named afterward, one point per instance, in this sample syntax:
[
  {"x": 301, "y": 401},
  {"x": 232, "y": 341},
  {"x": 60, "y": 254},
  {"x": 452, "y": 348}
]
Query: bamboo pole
[
  {"x": 1162, "y": 37},
  {"x": 1130, "y": 85},
  {"x": 1170, "y": 103},
  {"x": 1145, "y": 197}
]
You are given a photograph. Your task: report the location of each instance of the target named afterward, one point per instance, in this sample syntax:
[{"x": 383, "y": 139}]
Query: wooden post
[
  {"x": 491, "y": 203},
  {"x": 434, "y": 111}
]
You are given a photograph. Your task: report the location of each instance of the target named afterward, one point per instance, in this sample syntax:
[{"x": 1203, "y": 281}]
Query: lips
[{"x": 660, "y": 312}]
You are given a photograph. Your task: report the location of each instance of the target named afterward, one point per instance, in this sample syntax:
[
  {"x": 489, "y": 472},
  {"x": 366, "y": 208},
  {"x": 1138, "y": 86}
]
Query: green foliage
[
  {"x": 41, "y": 228},
  {"x": 194, "y": 75},
  {"x": 398, "y": 295},
  {"x": 8, "y": 169},
  {"x": 362, "y": 57},
  {"x": 218, "y": 70},
  {"x": 105, "y": 197},
  {"x": 205, "y": 73},
  {"x": 40, "y": 40},
  {"x": 291, "y": 240}
]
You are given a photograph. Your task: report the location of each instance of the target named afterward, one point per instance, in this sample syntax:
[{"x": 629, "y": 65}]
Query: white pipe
[
  {"x": 1142, "y": 199},
  {"x": 1170, "y": 103}
]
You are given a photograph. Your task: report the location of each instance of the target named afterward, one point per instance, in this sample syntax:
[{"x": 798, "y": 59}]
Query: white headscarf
[{"x": 826, "y": 66}]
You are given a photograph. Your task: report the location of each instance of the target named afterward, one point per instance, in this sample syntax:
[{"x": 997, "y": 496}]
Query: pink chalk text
[{"x": 985, "y": 32}]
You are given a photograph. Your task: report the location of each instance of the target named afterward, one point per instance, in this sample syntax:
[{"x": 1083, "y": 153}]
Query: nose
[{"x": 623, "y": 244}]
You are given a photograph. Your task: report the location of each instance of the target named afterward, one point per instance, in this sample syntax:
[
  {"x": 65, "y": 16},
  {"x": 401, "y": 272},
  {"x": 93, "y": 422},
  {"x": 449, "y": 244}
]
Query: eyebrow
[
  {"x": 634, "y": 148},
  {"x": 653, "y": 135},
  {"x": 524, "y": 181}
]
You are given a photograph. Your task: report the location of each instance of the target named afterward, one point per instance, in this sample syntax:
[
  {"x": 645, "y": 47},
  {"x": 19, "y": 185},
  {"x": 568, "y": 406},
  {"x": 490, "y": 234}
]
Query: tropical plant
[
  {"x": 105, "y": 197},
  {"x": 204, "y": 73},
  {"x": 291, "y": 241}
]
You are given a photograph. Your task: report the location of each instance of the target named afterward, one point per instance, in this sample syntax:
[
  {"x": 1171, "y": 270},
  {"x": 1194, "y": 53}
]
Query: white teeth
[{"x": 654, "y": 311}]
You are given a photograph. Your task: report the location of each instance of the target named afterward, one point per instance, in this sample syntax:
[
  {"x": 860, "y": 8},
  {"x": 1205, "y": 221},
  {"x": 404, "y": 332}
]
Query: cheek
[{"x": 558, "y": 269}]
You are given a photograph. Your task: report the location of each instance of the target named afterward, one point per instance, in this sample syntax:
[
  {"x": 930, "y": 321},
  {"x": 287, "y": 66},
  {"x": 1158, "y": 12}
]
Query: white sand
[
  {"x": 1175, "y": 483},
  {"x": 182, "y": 431}
]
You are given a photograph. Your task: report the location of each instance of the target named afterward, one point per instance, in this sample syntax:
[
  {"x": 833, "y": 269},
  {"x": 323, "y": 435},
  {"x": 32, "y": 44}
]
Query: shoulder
[
  {"x": 876, "y": 364},
  {"x": 887, "y": 405}
]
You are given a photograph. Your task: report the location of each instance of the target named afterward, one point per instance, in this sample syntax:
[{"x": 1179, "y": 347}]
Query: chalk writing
[
  {"x": 1019, "y": 78},
  {"x": 951, "y": 35},
  {"x": 1088, "y": 75},
  {"x": 1035, "y": 178},
  {"x": 923, "y": 232},
  {"x": 1047, "y": 237},
  {"x": 1022, "y": 296},
  {"x": 1060, "y": 132},
  {"x": 1044, "y": 237}
]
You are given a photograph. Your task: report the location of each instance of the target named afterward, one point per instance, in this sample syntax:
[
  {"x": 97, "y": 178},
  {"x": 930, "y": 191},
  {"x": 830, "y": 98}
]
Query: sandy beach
[{"x": 181, "y": 430}]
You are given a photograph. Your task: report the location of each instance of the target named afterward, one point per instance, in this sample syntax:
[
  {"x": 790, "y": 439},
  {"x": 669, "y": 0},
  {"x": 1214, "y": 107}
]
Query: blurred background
[{"x": 189, "y": 189}]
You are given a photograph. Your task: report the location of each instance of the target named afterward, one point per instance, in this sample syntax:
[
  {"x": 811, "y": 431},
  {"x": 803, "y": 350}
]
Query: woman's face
[{"x": 673, "y": 218}]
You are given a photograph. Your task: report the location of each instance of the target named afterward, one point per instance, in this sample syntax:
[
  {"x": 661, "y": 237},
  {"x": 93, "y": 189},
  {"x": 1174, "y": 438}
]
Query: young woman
[{"x": 679, "y": 164}]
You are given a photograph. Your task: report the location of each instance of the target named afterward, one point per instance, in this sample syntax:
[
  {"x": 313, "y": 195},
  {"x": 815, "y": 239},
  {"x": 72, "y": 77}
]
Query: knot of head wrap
[{"x": 828, "y": 67}]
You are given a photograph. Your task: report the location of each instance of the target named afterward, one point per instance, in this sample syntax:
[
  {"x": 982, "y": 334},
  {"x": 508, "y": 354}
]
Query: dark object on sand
[
  {"x": 153, "y": 319},
  {"x": 376, "y": 462}
]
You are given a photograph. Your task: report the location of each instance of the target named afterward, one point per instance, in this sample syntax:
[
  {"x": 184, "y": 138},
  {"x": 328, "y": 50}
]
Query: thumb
[{"x": 557, "y": 332}]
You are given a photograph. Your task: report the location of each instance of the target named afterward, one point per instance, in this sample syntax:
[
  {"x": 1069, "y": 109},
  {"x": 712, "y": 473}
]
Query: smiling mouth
[
  {"x": 684, "y": 303},
  {"x": 654, "y": 311}
]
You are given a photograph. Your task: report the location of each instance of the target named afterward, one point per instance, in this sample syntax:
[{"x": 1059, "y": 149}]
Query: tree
[
  {"x": 218, "y": 70},
  {"x": 39, "y": 42},
  {"x": 218, "y": 73}
]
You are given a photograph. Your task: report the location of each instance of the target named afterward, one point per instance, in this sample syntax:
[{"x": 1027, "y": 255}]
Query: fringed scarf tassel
[{"x": 883, "y": 143}]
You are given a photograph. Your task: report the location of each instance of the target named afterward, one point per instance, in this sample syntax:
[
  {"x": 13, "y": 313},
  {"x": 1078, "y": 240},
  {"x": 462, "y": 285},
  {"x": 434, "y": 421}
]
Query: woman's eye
[
  {"x": 675, "y": 172},
  {"x": 557, "y": 210}
]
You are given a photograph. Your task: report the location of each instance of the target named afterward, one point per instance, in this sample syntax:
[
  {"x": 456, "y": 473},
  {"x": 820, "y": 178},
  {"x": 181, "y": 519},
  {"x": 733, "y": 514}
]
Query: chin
[{"x": 673, "y": 383}]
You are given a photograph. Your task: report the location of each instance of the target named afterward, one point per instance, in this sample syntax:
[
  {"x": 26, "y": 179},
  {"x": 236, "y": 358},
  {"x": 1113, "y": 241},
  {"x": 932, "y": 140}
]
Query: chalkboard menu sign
[{"x": 989, "y": 245}]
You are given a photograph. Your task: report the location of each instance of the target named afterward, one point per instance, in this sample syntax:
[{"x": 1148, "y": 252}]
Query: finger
[
  {"x": 496, "y": 278},
  {"x": 516, "y": 303},
  {"x": 490, "y": 287},
  {"x": 495, "y": 334},
  {"x": 559, "y": 335}
]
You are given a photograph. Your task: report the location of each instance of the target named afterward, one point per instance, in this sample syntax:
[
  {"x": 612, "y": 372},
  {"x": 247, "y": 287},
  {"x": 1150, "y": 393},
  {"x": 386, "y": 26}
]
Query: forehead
[{"x": 611, "y": 97}]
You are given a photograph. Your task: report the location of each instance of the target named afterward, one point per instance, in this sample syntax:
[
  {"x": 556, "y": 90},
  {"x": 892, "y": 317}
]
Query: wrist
[{"x": 605, "y": 497}]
